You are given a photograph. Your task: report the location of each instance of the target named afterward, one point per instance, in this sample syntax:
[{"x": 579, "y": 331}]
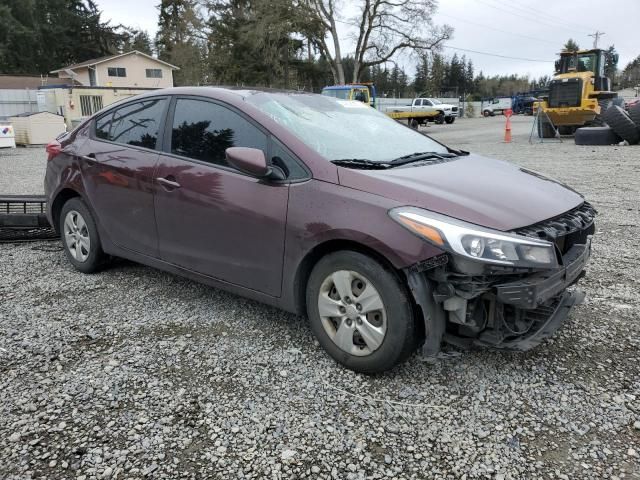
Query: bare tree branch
[{"x": 384, "y": 28}]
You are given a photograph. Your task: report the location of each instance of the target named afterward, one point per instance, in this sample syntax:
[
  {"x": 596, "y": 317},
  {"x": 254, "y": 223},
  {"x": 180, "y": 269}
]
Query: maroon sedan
[{"x": 386, "y": 239}]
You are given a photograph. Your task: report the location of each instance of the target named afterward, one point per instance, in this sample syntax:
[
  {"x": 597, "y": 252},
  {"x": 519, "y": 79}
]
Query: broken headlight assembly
[{"x": 476, "y": 243}]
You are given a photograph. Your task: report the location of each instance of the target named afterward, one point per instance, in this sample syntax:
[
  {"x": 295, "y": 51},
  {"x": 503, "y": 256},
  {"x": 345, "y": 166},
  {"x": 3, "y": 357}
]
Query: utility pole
[{"x": 596, "y": 36}]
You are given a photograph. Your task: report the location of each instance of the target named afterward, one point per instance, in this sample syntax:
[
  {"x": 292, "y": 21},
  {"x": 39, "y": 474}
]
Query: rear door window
[
  {"x": 204, "y": 130},
  {"x": 137, "y": 124}
]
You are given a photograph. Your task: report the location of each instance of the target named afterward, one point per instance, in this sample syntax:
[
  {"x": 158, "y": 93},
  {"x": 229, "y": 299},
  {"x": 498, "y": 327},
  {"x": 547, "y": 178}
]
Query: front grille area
[
  {"x": 565, "y": 93},
  {"x": 566, "y": 230}
]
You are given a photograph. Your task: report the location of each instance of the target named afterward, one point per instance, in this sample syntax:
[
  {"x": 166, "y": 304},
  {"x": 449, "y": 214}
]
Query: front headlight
[{"x": 475, "y": 242}]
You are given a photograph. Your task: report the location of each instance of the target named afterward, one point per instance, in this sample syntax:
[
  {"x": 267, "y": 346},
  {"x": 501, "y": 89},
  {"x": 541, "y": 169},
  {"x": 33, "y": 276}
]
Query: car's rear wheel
[
  {"x": 80, "y": 237},
  {"x": 360, "y": 312}
]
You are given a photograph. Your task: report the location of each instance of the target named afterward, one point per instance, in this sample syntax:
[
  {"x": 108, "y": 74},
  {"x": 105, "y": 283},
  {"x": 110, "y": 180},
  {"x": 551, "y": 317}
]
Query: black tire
[
  {"x": 620, "y": 122},
  {"x": 96, "y": 257},
  {"x": 413, "y": 123},
  {"x": 634, "y": 114},
  {"x": 400, "y": 339},
  {"x": 604, "y": 103},
  {"x": 486, "y": 113},
  {"x": 545, "y": 129},
  {"x": 449, "y": 120},
  {"x": 439, "y": 119},
  {"x": 596, "y": 136}
]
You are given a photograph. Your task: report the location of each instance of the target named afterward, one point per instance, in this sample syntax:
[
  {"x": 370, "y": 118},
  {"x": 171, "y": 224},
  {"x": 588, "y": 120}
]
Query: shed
[{"x": 37, "y": 128}]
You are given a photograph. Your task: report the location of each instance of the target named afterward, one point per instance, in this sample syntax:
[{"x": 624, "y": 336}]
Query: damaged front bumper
[{"x": 495, "y": 310}]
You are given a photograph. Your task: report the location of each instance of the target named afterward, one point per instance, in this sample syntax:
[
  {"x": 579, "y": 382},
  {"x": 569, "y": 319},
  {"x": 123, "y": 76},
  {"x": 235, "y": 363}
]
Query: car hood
[{"x": 479, "y": 190}]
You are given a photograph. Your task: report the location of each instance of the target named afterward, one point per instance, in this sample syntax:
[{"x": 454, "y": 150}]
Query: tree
[
  {"x": 571, "y": 46},
  {"x": 437, "y": 75},
  {"x": 422, "y": 75},
  {"x": 630, "y": 76},
  {"x": 611, "y": 63},
  {"x": 384, "y": 29},
  {"x": 180, "y": 41},
  {"x": 136, "y": 40},
  {"x": 469, "y": 110},
  {"x": 261, "y": 42},
  {"x": 37, "y": 36},
  {"x": 468, "y": 78}
]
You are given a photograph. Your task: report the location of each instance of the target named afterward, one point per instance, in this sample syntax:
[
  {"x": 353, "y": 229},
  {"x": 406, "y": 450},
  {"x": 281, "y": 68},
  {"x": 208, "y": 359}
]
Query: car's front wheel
[
  {"x": 360, "y": 312},
  {"x": 80, "y": 236}
]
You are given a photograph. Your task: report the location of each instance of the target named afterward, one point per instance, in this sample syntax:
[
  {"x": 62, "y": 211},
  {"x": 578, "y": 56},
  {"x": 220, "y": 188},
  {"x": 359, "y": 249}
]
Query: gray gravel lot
[{"x": 135, "y": 373}]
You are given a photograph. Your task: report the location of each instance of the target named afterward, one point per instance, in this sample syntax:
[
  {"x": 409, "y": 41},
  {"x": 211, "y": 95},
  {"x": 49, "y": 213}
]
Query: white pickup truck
[{"x": 442, "y": 112}]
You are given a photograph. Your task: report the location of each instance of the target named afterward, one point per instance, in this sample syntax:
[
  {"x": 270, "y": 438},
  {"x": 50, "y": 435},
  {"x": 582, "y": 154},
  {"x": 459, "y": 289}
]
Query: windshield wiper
[
  {"x": 361, "y": 163},
  {"x": 411, "y": 158},
  {"x": 419, "y": 156}
]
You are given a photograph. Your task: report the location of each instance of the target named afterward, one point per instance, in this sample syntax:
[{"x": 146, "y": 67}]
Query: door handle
[{"x": 168, "y": 182}]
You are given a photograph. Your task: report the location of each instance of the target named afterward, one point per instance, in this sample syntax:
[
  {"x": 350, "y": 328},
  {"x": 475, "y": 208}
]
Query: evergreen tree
[
  {"x": 571, "y": 46},
  {"x": 437, "y": 75},
  {"x": 611, "y": 63},
  {"x": 630, "y": 76},
  {"x": 468, "y": 78},
  {"x": 136, "y": 40},
  {"x": 422, "y": 75},
  {"x": 178, "y": 41},
  {"x": 37, "y": 36}
]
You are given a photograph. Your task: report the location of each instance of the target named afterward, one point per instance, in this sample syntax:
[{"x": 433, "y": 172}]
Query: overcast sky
[{"x": 528, "y": 29}]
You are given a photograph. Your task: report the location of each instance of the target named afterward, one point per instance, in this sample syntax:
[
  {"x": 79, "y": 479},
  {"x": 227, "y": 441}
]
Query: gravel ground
[{"x": 135, "y": 373}]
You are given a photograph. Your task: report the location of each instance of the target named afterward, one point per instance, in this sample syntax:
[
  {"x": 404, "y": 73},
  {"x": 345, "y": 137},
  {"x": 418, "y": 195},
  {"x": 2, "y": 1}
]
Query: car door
[
  {"x": 428, "y": 105},
  {"x": 213, "y": 219},
  {"x": 119, "y": 161}
]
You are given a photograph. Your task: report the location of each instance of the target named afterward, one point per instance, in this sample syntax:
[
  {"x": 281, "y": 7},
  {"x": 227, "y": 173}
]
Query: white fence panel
[{"x": 14, "y": 101}]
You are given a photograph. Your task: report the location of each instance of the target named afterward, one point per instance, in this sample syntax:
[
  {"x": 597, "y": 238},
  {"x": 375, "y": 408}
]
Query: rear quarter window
[{"x": 137, "y": 124}]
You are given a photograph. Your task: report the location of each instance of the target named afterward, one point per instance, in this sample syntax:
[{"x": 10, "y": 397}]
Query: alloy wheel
[
  {"x": 76, "y": 235},
  {"x": 352, "y": 312}
]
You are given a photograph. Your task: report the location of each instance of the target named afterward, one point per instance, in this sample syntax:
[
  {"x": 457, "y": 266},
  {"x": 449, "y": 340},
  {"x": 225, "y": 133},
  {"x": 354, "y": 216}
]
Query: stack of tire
[{"x": 618, "y": 125}]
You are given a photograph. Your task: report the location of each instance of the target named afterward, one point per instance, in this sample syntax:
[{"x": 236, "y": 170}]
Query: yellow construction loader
[{"x": 578, "y": 93}]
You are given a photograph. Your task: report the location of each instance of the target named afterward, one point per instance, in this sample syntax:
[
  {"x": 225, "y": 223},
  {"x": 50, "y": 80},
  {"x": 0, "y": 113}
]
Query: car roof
[{"x": 223, "y": 93}]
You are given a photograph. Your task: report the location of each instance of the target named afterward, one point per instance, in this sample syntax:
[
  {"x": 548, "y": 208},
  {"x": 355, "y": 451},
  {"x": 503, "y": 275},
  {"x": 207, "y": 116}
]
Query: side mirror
[
  {"x": 252, "y": 162},
  {"x": 248, "y": 160}
]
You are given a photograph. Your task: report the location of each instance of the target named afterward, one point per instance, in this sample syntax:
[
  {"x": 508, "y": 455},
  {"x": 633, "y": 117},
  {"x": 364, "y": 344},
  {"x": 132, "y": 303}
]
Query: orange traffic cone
[{"x": 507, "y": 127}]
